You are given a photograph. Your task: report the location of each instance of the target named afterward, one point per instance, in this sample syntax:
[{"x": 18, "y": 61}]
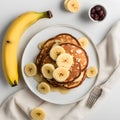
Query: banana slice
[
  {"x": 65, "y": 4},
  {"x": 92, "y": 72},
  {"x": 60, "y": 74},
  {"x": 56, "y": 51},
  {"x": 30, "y": 69},
  {"x": 64, "y": 60},
  {"x": 72, "y": 5},
  {"x": 38, "y": 77},
  {"x": 83, "y": 42},
  {"x": 38, "y": 114},
  {"x": 43, "y": 88},
  {"x": 40, "y": 45},
  {"x": 47, "y": 70}
]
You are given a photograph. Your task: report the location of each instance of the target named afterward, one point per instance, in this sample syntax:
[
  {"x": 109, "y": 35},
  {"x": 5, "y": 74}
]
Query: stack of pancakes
[{"x": 71, "y": 46}]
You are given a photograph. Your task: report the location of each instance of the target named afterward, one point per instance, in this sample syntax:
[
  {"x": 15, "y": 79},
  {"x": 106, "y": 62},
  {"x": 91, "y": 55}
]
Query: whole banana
[{"x": 11, "y": 40}]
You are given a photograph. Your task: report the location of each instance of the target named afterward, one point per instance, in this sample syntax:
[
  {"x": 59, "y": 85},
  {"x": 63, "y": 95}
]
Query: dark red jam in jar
[{"x": 97, "y": 13}]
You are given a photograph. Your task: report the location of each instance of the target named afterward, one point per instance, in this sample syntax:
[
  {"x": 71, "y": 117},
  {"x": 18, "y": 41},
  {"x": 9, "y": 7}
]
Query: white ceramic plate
[{"x": 31, "y": 51}]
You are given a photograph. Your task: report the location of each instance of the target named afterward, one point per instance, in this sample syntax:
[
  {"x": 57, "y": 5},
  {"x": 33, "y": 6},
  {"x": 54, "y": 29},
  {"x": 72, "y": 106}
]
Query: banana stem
[
  {"x": 46, "y": 14},
  {"x": 49, "y": 14}
]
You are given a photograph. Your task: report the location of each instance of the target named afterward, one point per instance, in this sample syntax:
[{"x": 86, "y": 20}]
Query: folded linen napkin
[{"x": 19, "y": 105}]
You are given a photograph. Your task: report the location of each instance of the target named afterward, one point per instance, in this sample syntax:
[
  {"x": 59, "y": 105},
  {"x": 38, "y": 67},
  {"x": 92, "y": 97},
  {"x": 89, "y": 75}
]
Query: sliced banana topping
[
  {"x": 38, "y": 114},
  {"x": 72, "y": 5},
  {"x": 60, "y": 74},
  {"x": 83, "y": 42},
  {"x": 38, "y": 77},
  {"x": 47, "y": 70},
  {"x": 40, "y": 45},
  {"x": 30, "y": 69},
  {"x": 56, "y": 51},
  {"x": 92, "y": 72},
  {"x": 64, "y": 60},
  {"x": 43, "y": 88}
]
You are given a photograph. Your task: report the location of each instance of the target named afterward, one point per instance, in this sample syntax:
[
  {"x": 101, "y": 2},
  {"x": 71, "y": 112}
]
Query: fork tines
[{"x": 94, "y": 95}]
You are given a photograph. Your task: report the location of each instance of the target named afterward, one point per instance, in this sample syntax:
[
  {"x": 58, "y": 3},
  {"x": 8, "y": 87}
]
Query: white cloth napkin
[{"x": 19, "y": 105}]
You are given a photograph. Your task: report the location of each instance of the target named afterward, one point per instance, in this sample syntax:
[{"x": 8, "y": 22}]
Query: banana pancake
[
  {"x": 80, "y": 59},
  {"x": 61, "y": 38},
  {"x": 48, "y": 59},
  {"x": 67, "y": 38},
  {"x": 72, "y": 47},
  {"x": 75, "y": 69}
]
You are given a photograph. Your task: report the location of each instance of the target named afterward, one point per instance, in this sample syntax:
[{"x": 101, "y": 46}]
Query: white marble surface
[{"x": 110, "y": 108}]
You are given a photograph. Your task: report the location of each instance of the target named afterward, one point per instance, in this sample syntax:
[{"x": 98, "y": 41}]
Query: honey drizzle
[{"x": 61, "y": 90}]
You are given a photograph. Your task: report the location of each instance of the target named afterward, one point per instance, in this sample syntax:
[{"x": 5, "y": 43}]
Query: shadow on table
[
  {"x": 84, "y": 16},
  {"x": 62, "y": 5}
]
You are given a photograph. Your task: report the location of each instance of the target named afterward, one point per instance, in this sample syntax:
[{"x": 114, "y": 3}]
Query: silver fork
[{"x": 94, "y": 95}]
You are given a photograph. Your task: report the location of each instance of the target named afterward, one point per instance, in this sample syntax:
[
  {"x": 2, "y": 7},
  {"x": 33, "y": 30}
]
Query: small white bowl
[{"x": 97, "y": 20}]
